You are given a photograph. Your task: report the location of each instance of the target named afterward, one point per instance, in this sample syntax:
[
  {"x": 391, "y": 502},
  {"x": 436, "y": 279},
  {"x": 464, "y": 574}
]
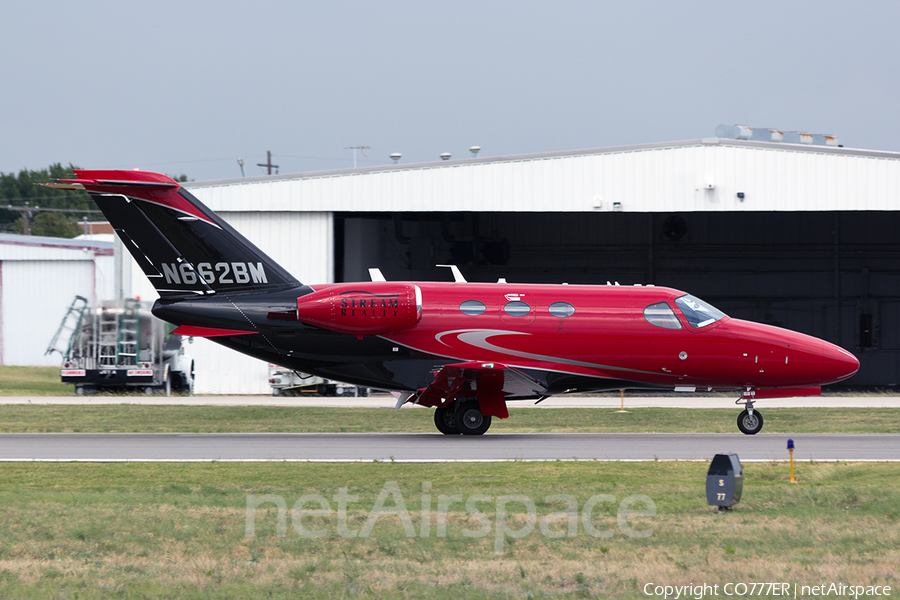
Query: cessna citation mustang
[{"x": 463, "y": 348}]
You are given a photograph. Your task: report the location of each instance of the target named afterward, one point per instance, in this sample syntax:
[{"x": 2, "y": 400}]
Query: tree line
[{"x": 21, "y": 191}]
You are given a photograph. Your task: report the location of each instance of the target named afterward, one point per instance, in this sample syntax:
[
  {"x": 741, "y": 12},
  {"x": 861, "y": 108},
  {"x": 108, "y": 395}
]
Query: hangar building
[
  {"x": 39, "y": 279},
  {"x": 796, "y": 235}
]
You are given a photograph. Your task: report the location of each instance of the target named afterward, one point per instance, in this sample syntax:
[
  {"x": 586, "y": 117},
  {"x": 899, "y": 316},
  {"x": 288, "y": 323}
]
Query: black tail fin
[{"x": 183, "y": 247}]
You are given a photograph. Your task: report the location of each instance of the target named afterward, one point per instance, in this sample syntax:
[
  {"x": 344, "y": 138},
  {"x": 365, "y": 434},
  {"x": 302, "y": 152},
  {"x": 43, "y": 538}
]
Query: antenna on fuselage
[{"x": 457, "y": 276}]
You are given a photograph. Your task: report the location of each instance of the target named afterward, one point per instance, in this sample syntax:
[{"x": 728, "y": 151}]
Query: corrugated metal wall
[
  {"x": 834, "y": 275},
  {"x": 704, "y": 175},
  {"x": 36, "y": 289},
  {"x": 301, "y": 242}
]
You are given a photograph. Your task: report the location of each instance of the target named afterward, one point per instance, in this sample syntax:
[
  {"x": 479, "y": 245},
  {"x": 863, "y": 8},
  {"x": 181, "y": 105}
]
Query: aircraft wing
[{"x": 490, "y": 383}]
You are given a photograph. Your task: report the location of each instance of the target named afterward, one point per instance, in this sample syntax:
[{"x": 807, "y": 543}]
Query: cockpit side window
[
  {"x": 697, "y": 312},
  {"x": 662, "y": 315}
]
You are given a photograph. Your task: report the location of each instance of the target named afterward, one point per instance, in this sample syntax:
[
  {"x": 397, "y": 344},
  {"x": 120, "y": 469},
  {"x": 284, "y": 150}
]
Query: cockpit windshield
[{"x": 697, "y": 312}]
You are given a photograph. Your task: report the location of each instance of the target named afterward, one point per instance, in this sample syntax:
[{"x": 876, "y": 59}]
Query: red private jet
[{"x": 465, "y": 349}]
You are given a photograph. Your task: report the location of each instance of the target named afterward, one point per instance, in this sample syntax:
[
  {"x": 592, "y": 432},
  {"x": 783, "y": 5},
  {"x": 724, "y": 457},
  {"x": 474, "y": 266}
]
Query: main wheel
[
  {"x": 444, "y": 421},
  {"x": 470, "y": 421},
  {"x": 750, "y": 425}
]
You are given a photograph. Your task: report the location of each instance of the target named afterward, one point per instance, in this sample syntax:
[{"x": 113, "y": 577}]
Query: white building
[
  {"x": 39, "y": 279},
  {"x": 792, "y": 234}
]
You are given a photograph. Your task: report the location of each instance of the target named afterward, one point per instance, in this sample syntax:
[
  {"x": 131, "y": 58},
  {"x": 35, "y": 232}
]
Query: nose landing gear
[{"x": 750, "y": 421}]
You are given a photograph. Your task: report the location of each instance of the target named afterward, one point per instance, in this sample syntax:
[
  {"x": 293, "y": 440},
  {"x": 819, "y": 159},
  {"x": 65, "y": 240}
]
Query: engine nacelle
[{"x": 371, "y": 308}]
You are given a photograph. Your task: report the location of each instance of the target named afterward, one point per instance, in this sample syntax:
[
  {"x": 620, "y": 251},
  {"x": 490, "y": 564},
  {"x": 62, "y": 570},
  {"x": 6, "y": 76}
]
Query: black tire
[
  {"x": 470, "y": 421},
  {"x": 444, "y": 421},
  {"x": 180, "y": 382},
  {"x": 750, "y": 425}
]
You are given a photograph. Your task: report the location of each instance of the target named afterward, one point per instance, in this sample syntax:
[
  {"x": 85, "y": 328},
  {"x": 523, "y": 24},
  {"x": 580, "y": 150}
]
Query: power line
[
  {"x": 12, "y": 201},
  {"x": 28, "y": 210},
  {"x": 361, "y": 149}
]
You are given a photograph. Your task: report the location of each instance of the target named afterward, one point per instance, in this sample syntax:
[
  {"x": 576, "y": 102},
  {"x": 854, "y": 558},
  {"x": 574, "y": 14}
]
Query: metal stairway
[
  {"x": 129, "y": 341},
  {"x": 64, "y": 336}
]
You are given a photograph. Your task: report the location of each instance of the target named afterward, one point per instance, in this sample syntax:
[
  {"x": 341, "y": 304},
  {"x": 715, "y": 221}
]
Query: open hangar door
[{"x": 834, "y": 275}]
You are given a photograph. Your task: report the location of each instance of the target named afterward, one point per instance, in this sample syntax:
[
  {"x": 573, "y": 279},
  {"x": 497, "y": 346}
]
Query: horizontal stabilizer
[
  {"x": 183, "y": 247},
  {"x": 194, "y": 331}
]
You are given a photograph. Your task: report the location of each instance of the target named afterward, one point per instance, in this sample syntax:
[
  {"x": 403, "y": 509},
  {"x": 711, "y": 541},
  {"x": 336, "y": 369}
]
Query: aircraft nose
[{"x": 837, "y": 364}]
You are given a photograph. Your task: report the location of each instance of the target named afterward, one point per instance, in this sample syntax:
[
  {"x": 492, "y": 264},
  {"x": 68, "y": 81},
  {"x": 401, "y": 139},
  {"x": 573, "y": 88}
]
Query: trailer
[{"x": 120, "y": 345}]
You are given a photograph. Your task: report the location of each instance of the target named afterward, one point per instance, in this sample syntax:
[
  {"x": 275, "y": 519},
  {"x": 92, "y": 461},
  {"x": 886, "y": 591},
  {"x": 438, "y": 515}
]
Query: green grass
[
  {"x": 32, "y": 381},
  {"x": 20, "y": 418},
  {"x": 154, "y": 530},
  {"x": 178, "y": 530}
]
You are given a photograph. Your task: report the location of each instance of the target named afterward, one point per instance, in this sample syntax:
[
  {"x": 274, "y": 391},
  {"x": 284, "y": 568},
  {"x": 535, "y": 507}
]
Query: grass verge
[
  {"x": 180, "y": 530},
  {"x": 22, "y": 418},
  {"x": 32, "y": 381}
]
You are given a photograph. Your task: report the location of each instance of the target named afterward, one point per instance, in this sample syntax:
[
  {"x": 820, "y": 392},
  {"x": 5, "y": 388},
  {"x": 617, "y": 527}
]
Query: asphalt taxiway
[{"x": 434, "y": 447}]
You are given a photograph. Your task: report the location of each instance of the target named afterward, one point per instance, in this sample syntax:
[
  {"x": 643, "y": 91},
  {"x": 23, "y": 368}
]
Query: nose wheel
[{"x": 750, "y": 421}]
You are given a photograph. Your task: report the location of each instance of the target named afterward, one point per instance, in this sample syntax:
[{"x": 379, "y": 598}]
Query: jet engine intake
[{"x": 371, "y": 308}]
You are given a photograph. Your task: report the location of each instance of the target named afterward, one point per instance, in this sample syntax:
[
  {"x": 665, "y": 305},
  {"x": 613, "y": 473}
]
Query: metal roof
[
  {"x": 804, "y": 148},
  {"x": 713, "y": 174},
  {"x": 37, "y": 241}
]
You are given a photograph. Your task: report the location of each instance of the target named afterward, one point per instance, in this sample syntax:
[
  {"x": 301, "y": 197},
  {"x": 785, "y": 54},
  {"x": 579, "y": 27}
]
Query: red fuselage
[{"x": 595, "y": 331}]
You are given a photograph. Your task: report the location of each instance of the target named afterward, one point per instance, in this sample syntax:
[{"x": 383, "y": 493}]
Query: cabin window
[
  {"x": 662, "y": 315},
  {"x": 562, "y": 309},
  {"x": 472, "y": 307},
  {"x": 697, "y": 312},
  {"x": 517, "y": 308}
]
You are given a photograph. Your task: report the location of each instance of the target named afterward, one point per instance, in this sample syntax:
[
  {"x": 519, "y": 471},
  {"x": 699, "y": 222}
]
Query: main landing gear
[
  {"x": 750, "y": 421},
  {"x": 461, "y": 416}
]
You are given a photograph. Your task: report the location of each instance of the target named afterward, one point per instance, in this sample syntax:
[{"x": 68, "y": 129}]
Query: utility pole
[
  {"x": 355, "y": 148},
  {"x": 29, "y": 211},
  {"x": 268, "y": 164}
]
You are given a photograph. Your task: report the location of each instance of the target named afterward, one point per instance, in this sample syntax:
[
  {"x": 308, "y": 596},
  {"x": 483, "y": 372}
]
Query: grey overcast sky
[{"x": 190, "y": 86}]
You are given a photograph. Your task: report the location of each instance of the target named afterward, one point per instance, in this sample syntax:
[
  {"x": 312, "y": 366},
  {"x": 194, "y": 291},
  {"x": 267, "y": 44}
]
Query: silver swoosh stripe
[{"x": 479, "y": 339}]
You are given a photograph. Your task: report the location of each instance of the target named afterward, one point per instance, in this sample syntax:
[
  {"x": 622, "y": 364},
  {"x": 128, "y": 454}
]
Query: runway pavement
[{"x": 428, "y": 447}]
